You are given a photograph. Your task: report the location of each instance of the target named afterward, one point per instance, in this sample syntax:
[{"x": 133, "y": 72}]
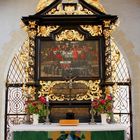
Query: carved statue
[{"x": 44, "y": 3}]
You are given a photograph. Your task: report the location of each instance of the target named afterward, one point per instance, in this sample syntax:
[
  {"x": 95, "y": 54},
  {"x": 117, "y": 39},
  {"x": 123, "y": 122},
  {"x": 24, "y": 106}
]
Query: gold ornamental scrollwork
[
  {"x": 31, "y": 29},
  {"x": 24, "y": 59},
  {"x": 29, "y": 91},
  {"x": 107, "y": 23},
  {"x": 32, "y": 33},
  {"x": 69, "y": 10},
  {"x": 93, "y": 90},
  {"x": 94, "y": 30},
  {"x": 115, "y": 59},
  {"x": 32, "y": 24},
  {"x": 46, "y": 30},
  {"x": 44, "y": 3},
  {"x": 69, "y": 35}
]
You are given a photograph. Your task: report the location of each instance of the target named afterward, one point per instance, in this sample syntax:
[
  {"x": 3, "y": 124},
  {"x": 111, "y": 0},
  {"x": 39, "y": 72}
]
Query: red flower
[
  {"x": 34, "y": 104},
  {"x": 103, "y": 101},
  {"x": 109, "y": 98},
  {"x": 102, "y": 105},
  {"x": 95, "y": 103},
  {"x": 42, "y": 99}
]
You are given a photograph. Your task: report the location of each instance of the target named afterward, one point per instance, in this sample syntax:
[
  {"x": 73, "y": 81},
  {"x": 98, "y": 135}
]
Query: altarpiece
[{"x": 69, "y": 45}]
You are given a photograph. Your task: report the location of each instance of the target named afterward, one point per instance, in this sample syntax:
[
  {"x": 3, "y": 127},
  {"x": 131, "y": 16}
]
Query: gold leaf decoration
[
  {"x": 107, "y": 23},
  {"x": 24, "y": 59},
  {"x": 69, "y": 10},
  {"x": 32, "y": 33},
  {"x": 29, "y": 91},
  {"x": 94, "y": 30},
  {"x": 43, "y": 4},
  {"x": 46, "y": 30},
  {"x": 69, "y": 35},
  {"x": 115, "y": 58},
  {"x": 93, "y": 90},
  {"x": 107, "y": 34},
  {"x": 32, "y": 24}
]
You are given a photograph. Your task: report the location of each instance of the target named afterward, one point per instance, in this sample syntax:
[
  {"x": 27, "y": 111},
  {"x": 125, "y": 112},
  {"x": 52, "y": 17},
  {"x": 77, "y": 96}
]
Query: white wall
[
  {"x": 127, "y": 37},
  {"x": 11, "y": 38}
]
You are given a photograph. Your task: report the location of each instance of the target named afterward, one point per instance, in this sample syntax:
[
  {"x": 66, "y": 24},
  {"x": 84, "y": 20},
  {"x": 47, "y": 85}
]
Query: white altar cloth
[{"x": 57, "y": 127}]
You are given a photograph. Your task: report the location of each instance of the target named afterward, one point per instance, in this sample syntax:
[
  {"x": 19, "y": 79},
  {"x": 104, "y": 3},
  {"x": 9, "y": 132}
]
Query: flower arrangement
[
  {"x": 38, "y": 106},
  {"x": 102, "y": 105}
]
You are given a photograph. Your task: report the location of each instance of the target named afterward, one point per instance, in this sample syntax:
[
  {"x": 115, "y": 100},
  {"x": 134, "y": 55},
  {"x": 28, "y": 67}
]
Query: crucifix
[{"x": 70, "y": 79}]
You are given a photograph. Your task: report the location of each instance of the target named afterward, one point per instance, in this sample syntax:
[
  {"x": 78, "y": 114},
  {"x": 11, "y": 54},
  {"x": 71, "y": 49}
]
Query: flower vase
[
  {"x": 35, "y": 119},
  {"x": 104, "y": 118}
]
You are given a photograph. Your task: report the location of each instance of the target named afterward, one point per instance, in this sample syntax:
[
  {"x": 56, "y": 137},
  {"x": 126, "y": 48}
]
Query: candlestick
[
  {"x": 47, "y": 98},
  {"x": 47, "y": 109}
]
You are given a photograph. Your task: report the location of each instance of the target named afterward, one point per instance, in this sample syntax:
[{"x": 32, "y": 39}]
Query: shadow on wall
[
  {"x": 7, "y": 52},
  {"x": 132, "y": 59},
  {"x": 127, "y": 49},
  {"x": 9, "y": 49}
]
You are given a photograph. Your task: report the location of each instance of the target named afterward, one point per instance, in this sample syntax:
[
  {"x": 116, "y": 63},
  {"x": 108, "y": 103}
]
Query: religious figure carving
[{"x": 44, "y": 3}]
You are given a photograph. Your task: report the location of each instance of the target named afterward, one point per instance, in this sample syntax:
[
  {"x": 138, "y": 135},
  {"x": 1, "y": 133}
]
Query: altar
[{"x": 82, "y": 131}]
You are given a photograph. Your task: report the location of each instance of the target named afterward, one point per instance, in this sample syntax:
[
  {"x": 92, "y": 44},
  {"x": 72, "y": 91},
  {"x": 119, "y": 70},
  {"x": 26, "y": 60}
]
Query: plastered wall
[{"x": 127, "y": 37}]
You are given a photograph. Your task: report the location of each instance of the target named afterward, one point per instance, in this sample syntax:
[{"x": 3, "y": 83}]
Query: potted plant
[
  {"x": 102, "y": 105},
  {"x": 37, "y": 106}
]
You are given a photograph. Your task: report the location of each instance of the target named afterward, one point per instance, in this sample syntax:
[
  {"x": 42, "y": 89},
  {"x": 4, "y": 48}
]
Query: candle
[
  {"x": 91, "y": 98},
  {"x": 47, "y": 99}
]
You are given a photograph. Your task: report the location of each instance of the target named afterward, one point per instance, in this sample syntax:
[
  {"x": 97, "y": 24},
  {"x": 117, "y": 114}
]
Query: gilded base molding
[{"x": 93, "y": 90}]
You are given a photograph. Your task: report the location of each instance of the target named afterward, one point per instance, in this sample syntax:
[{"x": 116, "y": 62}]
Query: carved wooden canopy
[
  {"x": 58, "y": 12},
  {"x": 69, "y": 20}
]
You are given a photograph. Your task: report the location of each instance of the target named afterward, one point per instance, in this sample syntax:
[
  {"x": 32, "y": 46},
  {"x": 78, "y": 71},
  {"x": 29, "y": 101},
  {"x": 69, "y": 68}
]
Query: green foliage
[{"x": 37, "y": 106}]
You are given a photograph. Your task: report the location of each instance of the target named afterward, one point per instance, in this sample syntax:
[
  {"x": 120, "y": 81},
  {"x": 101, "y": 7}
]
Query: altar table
[{"x": 81, "y": 132}]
